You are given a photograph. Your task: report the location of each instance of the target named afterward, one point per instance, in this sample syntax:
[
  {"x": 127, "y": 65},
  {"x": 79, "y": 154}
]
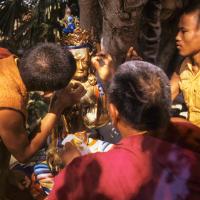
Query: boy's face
[{"x": 188, "y": 37}]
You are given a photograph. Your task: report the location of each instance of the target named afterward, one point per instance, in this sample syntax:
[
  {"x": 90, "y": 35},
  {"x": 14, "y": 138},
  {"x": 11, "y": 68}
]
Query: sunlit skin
[
  {"x": 188, "y": 37},
  {"x": 188, "y": 44},
  {"x": 82, "y": 62}
]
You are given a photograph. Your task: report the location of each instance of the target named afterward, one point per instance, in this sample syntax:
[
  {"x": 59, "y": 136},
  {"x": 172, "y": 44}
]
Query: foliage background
[{"x": 24, "y": 23}]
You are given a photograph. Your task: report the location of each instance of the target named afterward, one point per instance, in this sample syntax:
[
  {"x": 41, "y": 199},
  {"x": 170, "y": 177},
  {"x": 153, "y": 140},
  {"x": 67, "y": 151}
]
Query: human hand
[
  {"x": 54, "y": 160},
  {"x": 19, "y": 179},
  {"x": 132, "y": 55},
  {"x": 67, "y": 97},
  {"x": 102, "y": 62},
  {"x": 70, "y": 152}
]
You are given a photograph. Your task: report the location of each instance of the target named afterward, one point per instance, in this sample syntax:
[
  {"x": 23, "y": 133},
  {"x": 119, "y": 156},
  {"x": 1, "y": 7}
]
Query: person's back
[
  {"x": 43, "y": 69},
  {"x": 139, "y": 167},
  {"x": 4, "y": 153},
  {"x": 142, "y": 165}
]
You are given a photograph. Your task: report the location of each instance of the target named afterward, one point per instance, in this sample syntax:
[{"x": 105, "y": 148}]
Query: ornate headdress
[{"x": 73, "y": 36}]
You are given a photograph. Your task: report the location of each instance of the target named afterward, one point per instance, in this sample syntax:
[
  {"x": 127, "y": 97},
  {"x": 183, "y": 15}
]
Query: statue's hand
[
  {"x": 132, "y": 54},
  {"x": 102, "y": 62}
]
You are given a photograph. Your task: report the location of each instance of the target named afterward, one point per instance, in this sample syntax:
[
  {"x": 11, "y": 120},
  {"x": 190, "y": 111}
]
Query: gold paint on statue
[
  {"x": 76, "y": 38},
  {"x": 82, "y": 61},
  {"x": 91, "y": 111}
]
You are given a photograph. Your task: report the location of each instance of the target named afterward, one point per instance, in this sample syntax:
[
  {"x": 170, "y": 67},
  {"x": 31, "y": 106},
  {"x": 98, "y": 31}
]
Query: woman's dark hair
[
  {"x": 47, "y": 67},
  {"x": 141, "y": 93}
]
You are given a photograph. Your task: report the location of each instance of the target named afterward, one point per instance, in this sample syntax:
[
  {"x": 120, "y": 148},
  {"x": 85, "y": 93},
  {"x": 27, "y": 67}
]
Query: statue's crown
[
  {"x": 79, "y": 37},
  {"x": 73, "y": 34}
]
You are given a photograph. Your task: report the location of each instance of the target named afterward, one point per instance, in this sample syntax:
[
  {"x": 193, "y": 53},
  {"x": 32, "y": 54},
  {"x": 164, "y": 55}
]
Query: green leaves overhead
[{"x": 26, "y": 22}]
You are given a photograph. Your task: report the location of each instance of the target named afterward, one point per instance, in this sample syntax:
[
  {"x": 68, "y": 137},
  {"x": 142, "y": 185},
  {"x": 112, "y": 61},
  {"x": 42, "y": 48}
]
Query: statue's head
[
  {"x": 82, "y": 57},
  {"x": 81, "y": 45},
  {"x": 91, "y": 111}
]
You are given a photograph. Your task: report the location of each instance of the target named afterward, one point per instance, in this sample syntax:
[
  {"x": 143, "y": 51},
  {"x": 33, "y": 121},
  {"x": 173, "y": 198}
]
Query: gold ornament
[{"x": 77, "y": 38}]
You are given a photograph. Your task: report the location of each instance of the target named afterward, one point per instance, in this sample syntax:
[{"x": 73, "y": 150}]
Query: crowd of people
[{"x": 158, "y": 155}]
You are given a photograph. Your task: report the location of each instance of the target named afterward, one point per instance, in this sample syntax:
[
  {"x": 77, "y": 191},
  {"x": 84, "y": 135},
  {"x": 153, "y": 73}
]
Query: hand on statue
[
  {"x": 70, "y": 152},
  {"x": 19, "y": 179},
  {"x": 102, "y": 62},
  {"x": 132, "y": 54},
  {"x": 67, "y": 97}
]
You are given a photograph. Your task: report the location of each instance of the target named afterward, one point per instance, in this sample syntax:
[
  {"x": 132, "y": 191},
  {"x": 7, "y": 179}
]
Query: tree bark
[{"x": 119, "y": 25}]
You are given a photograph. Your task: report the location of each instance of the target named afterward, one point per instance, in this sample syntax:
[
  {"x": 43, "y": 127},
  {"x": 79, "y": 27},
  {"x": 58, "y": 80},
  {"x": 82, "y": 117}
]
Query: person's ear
[{"x": 114, "y": 114}]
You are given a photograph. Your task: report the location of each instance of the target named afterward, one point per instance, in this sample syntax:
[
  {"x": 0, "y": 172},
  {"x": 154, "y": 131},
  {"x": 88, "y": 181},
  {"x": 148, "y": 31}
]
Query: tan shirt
[{"x": 190, "y": 86}]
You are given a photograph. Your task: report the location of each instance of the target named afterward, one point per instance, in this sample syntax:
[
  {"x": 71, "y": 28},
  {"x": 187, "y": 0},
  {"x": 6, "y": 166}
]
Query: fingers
[
  {"x": 78, "y": 91},
  {"x": 71, "y": 94},
  {"x": 131, "y": 52},
  {"x": 20, "y": 186},
  {"x": 132, "y": 55},
  {"x": 128, "y": 55},
  {"x": 101, "y": 59},
  {"x": 76, "y": 88},
  {"x": 104, "y": 55},
  {"x": 95, "y": 62},
  {"x": 27, "y": 182},
  {"x": 48, "y": 94},
  {"x": 23, "y": 184},
  {"x": 75, "y": 85}
]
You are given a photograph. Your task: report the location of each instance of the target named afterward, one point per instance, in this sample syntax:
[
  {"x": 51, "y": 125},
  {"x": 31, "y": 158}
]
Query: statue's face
[{"x": 82, "y": 62}]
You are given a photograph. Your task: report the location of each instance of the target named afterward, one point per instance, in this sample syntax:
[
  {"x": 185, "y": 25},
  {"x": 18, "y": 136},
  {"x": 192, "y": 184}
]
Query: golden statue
[{"x": 91, "y": 111}]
